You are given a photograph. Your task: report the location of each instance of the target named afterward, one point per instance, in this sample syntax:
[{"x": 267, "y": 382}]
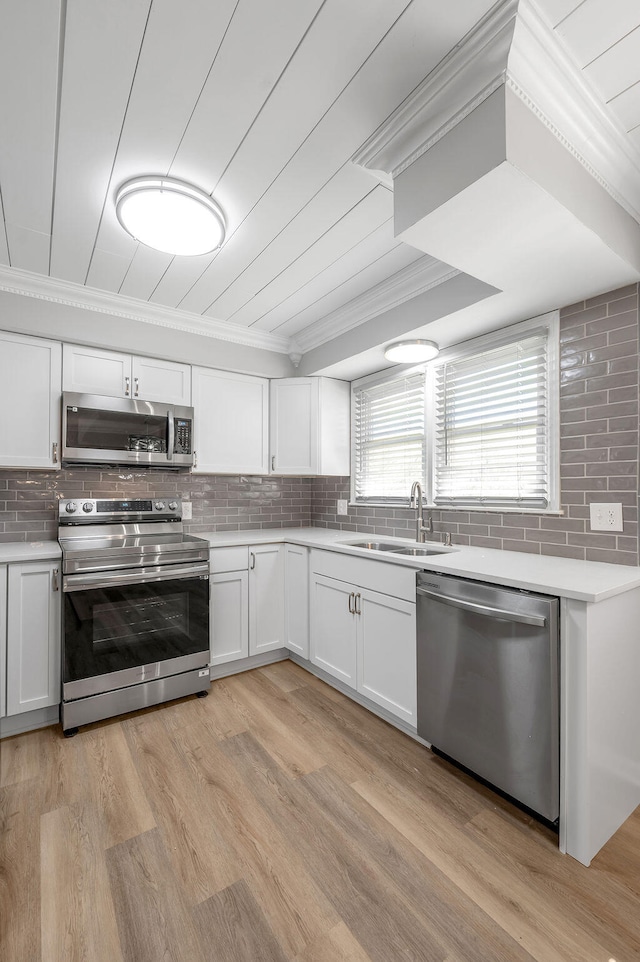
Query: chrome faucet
[{"x": 415, "y": 500}]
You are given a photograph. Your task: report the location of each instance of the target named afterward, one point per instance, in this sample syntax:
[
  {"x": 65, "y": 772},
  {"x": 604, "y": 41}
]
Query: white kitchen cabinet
[
  {"x": 229, "y": 616},
  {"x": 310, "y": 426},
  {"x": 386, "y": 653},
  {"x": 296, "y": 599},
  {"x": 247, "y": 601},
  {"x": 30, "y": 385},
  {"x": 266, "y": 598},
  {"x": 333, "y": 628},
  {"x": 33, "y": 636},
  {"x": 3, "y": 640},
  {"x": 88, "y": 370},
  {"x": 231, "y": 430},
  {"x": 363, "y": 631}
]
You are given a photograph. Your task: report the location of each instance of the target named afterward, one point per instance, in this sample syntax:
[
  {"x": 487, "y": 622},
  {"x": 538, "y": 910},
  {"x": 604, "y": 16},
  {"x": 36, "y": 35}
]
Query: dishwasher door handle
[{"x": 477, "y": 609}]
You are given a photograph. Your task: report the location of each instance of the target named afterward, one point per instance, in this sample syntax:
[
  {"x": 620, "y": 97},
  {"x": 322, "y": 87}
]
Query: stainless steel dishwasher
[{"x": 488, "y": 689}]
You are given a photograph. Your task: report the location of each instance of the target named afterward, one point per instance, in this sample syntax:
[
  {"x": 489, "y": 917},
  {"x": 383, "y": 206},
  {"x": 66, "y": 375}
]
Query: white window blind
[
  {"x": 491, "y": 438},
  {"x": 389, "y": 438}
]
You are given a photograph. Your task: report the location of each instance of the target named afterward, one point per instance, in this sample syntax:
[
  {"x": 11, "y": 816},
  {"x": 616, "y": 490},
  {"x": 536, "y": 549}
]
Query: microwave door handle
[{"x": 171, "y": 435}]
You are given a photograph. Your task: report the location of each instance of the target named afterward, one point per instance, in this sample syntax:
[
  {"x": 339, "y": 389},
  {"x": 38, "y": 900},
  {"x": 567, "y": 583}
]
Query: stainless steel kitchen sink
[{"x": 396, "y": 548}]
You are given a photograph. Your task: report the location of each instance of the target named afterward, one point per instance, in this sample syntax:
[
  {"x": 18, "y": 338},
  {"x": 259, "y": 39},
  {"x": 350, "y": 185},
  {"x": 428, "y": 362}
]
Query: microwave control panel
[{"x": 182, "y": 443}]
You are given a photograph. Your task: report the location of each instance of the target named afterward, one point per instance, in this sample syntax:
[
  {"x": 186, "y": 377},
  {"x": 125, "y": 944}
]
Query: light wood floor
[{"x": 276, "y": 820}]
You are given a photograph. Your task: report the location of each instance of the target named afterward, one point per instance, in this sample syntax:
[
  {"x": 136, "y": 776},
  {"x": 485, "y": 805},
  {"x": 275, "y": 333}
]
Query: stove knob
[
  {"x": 70, "y": 507},
  {"x": 87, "y": 507},
  {"x": 159, "y": 505},
  {"x": 173, "y": 505}
]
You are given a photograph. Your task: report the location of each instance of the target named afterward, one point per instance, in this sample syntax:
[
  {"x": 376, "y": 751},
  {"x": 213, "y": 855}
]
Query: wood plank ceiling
[{"x": 260, "y": 104}]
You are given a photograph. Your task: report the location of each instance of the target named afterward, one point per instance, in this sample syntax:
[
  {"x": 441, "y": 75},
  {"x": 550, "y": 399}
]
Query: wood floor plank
[
  {"x": 154, "y": 919},
  {"x": 233, "y": 927},
  {"x": 370, "y": 908},
  {"x": 285, "y": 674},
  {"x": 77, "y": 916},
  {"x": 20, "y": 757},
  {"x": 19, "y": 872},
  {"x": 217, "y": 711},
  {"x": 115, "y": 785},
  {"x": 338, "y": 945},
  {"x": 296, "y": 909},
  {"x": 65, "y": 778},
  {"x": 202, "y": 857},
  {"x": 289, "y": 748}
]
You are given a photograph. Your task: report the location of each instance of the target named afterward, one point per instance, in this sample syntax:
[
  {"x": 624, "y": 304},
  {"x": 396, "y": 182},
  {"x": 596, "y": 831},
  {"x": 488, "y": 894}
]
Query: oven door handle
[{"x": 137, "y": 576}]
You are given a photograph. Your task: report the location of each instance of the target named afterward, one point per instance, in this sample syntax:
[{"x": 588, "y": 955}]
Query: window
[
  {"x": 486, "y": 436},
  {"x": 388, "y": 438}
]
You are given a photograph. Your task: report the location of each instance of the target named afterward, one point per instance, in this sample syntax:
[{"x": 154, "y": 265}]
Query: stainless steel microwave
[{"x": 107, "y": 430}]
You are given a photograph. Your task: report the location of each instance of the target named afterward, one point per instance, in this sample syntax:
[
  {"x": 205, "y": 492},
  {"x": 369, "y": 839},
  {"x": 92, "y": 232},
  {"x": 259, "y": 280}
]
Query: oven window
[
  {"x": 92, "y": 430},
  {"x": 111, "y": 629}
]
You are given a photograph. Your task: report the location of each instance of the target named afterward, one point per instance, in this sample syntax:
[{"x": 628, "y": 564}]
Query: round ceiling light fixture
[
  {"x": 411, "y": 352},
  {"x": 170, "y": 216}
]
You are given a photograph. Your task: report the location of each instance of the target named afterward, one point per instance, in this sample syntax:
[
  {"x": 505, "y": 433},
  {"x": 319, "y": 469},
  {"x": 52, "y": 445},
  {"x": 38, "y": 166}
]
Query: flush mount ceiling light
[
  {"x": 170, "y": 216},
  {"x": 411, "y": 352}
]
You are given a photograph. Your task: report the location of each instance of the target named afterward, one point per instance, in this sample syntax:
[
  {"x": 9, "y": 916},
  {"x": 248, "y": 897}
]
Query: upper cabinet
[
  {"x": 231, "y": 422},
  {"x": 30, "y": 381},
  {"x": 310, "y": 426},
  {"x": 88, "y": 370}
]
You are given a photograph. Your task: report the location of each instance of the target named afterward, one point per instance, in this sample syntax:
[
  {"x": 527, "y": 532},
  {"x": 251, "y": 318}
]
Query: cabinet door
[
  {"x": 90, "y": 371},
  {"x": 333, "y": 628},
  {"x": 33, "y": 637},
  {"x": 387, "y": 652},
  {"x": 294, "y": 425},
  {"x": 266, "y": 597},
  {"x": 3, "y": 640},
  {"x": 296, "y": 599},
  {"x": 30, "y": 375},
  {"x": 164, "y": 381},
  {"x": 231, "y": 422},
  {"x": 229, "y": 616}
]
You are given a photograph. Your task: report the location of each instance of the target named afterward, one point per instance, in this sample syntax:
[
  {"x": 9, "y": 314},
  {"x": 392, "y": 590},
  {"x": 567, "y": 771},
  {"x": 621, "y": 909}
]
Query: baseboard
[
  {"x": 246, "y": 664},
  {"x": 28, "y": 721}
]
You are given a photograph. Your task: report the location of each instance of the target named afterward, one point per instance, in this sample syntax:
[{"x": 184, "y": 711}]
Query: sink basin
[
  {"x": 419, "y": 552},
  {"x": 396, "y": 548},
  {"x": 373, "y": 545}
]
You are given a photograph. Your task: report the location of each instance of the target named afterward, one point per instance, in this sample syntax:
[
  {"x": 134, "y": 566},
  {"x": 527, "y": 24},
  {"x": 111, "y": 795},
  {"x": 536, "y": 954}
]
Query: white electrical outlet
[
  {"x": 343, "y": 507},
  {"x": 605, "y": 517},
  {"x": 187, "y": 510}
]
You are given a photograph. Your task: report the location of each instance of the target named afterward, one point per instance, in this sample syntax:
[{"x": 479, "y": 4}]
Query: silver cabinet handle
[
  {"x": 477, "y": 609},
  {"x": 136, "y": 382},
  {"x": 55, "y": 583},
  {"x": 253, "y": 560},
  {"x": 352, "y": 608},
  {"x": 54, "y": 452},
  {"x": 195, "y": 459},
  {"x": 127, "y": 386},
  {"x": 273, "y": 462},
  {"x": 356, "y": 604}
]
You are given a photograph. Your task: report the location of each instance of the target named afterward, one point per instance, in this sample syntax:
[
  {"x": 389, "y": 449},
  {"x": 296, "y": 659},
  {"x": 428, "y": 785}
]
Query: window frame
[{"x": 486, "y": 342}]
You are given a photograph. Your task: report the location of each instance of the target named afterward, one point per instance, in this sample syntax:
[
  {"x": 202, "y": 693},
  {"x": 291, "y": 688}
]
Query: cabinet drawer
[
  {"x": 389, "y": 579},
  {"x": 229, "y": 559}
]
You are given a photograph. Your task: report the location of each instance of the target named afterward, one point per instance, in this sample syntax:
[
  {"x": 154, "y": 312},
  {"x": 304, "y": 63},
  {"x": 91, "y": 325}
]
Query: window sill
[{"x": 546, "y": 512}]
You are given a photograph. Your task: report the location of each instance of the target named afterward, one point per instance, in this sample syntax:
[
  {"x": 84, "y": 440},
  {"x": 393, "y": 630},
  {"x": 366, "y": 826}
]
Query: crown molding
[
  {"x": 417, "y": 278},
  {"x": 460, "y": 82},
  {"x": 15, "y": 281},
  {"x": 516, "y": 46},
  {"x": 542, "y": 72}
]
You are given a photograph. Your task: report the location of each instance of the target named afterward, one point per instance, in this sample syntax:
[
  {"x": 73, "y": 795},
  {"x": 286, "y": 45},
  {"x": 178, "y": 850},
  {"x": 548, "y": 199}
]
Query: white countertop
[
  {"x": 582, "y": 580},
  {"x": 13, "y": 551}
]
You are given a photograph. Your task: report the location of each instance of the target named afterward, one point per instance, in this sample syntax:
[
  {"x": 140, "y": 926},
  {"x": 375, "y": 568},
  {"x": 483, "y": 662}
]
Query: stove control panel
[{"x": 130, "y": 509}]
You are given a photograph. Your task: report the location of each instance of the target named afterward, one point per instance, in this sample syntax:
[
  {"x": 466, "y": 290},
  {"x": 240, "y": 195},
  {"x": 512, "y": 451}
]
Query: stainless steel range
[{"x": 136, "y": 607}]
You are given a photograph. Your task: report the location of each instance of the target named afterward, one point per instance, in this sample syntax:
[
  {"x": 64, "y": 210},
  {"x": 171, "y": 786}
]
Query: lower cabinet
[
  {"x": 296, "y": 599},
  {"x": 367, "y": 639},
  {"x": 33, "y": 636},
  {"x": 247, "y": 601},
  {"x": 3, "y": 640}
]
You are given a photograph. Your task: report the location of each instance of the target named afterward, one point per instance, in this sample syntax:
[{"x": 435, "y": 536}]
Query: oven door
[{"x": 126, "y": 627}]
